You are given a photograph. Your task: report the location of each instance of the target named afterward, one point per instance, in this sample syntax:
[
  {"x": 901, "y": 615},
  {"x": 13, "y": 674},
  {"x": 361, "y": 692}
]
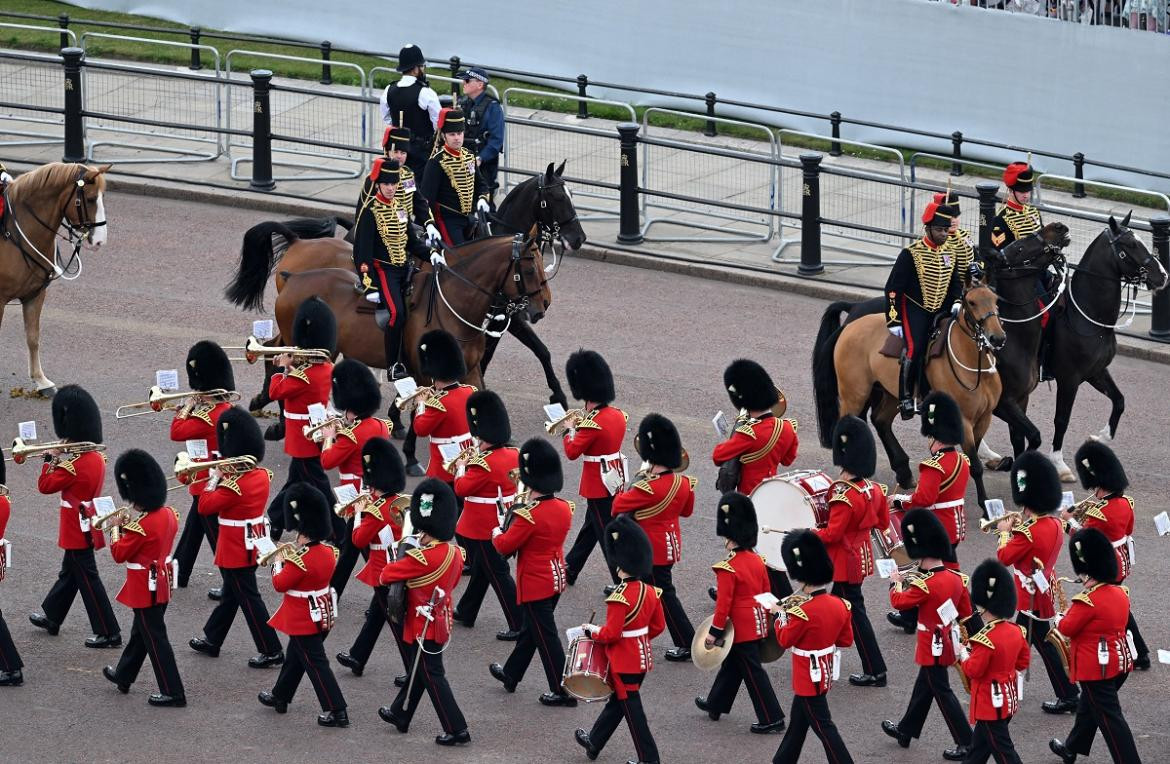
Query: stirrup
[
  {"x": 908, "y": 408},
  {"x": 397, "y": 371},
  {"x": 374, "y": 297}
]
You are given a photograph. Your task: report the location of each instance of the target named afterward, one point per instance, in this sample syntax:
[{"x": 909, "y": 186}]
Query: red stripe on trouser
[
  {"x": 820, "y": 733},
  {"x": 907, "y": 335},
  {"x": 307, "y": 665},
  {"x": 938, "y": 702},
  {"x": 509, "y": 613},
  {"x": 434, "y": 695},
  {"x": 384, "y": 286},
  {"x": 753, "y": 689},
  {"x": 92, "y": 598},
  {"x": 545, "y": 655},
  {"x": 148, "y": 637},
  {"x": 1103, "y": 724},
  {"x": 442, "y": 226},
  {"x": 632, "y": 728},
  {"x": 257, "y": 626}
]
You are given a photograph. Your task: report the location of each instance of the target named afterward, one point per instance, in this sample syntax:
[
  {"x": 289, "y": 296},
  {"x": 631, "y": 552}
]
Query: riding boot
[
  {"x": 906, "y": 375},
  {"x": 392, "y": 336},
  {"x": 1044, "y": 356}
]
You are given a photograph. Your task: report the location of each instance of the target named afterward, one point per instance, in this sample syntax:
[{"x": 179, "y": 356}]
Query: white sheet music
[
  {"x": 104, "y": 505},
  {"x": 767, "y": 600},
  {"x": 449, "y": 451},
  {"x": 196, "y": 449},
  {"x": 405, "y": 386},
  {"x": 167, "y": 379},
  {"x": 721, "y": 425},
  {"x": 345, "y": 493},
  {"x": 554, "y": 411},
  {"x": 263, "y": 544},
  {"x": 28, "y": 431},
  {"x": 947, "y": 612},
  {"x": 1067, "y": 500},
  {"x": 885, "y": 566},
  {"x": 1162, "y": 523},
  {"x": 263, "y": 329},
  {"x": 995, "y": 509}
]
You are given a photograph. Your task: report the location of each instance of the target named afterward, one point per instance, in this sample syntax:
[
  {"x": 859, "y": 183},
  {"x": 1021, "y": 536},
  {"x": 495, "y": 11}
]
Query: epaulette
[
  {"x": 797, "y": 611},
  {"x": 794, "y": 423},
  {"x": 658, "y": 590},
  {"x": 232, "y": 483},
  {"x": 1129, "y": 499},
  {"x": 347, "y": 432},
  {"x": 473, "y": 388},
  {"x": 417, "y": 554},
  {"x": 725, "y": 564},
  {"x": 299, "y": 373},
  {"x": 965, "y": 579},
  {"x": 375, "y": 509},
  {"x": 336, "y": 551},
  {"x": 572, "y": 506},
  {"x": 462, "y": 554},
  {"x": 982, "y": 639},
  {"x": 389, "y": 424},
  {"x": 526, "y": 514},
  {"x": 644, "y": 485},
  {"x": 848, "y": 604},
  {"x": 746, "y": 429},
  {"x": 297, "y": 558},
  {"x": 1124, "y": 588},
  {"x": 481, "y": 462},
  {"x": 625, "y": 416},
  {"x": 204, "y": 413},
  {"x": 1083, "y": 597},
  {"x": 587, "y": 422},
  {"x": 436, "y": 401},
  {"x": 134, "y": 527},
  {"x": 933, "y": 462},
  {"x": 174, "y": 511},
  {"x": 67, "y": 465},
  {"x": 921, "y": 584},
  {"x": 1025, "y": 528},
  {"x": 618, "y": 595},
  {"x": 840, "y": 492},
  {"x": 694, "y": 481},
  {"x": 1095, "y": 508},
  {"x": 885, "y": 488}
]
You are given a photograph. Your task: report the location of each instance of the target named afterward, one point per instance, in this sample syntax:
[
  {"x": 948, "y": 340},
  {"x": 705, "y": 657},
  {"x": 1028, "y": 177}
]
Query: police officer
[
  {"x": 410, "y": 102},
  {"x": 485, "y": 126}
]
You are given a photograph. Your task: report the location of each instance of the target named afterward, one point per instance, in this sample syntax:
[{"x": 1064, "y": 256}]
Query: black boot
[
  {"x": 1045, "y": 353},
  {"x": 906, "y": 403},
  {"x": 392, "y": 337}
]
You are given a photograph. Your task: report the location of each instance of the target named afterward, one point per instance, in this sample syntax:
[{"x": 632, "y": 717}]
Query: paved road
[{"x": 156, "y": 290}]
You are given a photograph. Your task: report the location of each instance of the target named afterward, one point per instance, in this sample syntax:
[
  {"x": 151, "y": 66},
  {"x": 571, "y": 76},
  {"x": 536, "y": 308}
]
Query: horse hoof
[
  {"x": 257, "y": 404},
  {"x": 1003, "y": 464},
  {"x": 1104, "y": 435},
  {"x": 414, "y": 470},
  {"x": 1068, "y": 477},
  {"x": 47, "y": 392},
  {"x": 398, "y": 432}
]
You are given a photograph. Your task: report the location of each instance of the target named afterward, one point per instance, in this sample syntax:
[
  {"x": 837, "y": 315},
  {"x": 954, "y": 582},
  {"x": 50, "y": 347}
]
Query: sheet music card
[
  {"x": 104, "y": 505},
  {"x": 1067, "y": 500},
  {"x": 345, "y": 493},
  {"x": 317, "y": 413},
  {"x": 449, "y": 451},
  {"x": 767, "y": 600},
  {"x": 885, "y": 566},
  {"x": 28, "y": 431},
  {"x": 405, "y": 386},
  {"x": 554, "y": 411},
  {"x": 167, "y": 380},
  {"x": 1162, "y": 523},
  {"x": 721, "y": 425},
  {"x": 263, "y": 330},
  {"x": 947, "y": 612},
  {"x": 995, "y": 509},
  {"x": 263, "y": 544},
  {"x": 196, "y": 449}
]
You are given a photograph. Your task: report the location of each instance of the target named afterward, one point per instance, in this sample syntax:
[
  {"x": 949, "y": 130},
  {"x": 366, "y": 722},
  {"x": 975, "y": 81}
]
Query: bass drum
[{"x": 797, "y": 499}]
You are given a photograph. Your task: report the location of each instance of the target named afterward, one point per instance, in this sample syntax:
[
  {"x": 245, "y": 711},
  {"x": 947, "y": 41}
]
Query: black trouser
[
  {"x": 453, "y": 226},
  {"x": 635, "y": 716},
  {"x": 148, "y": 636},
  {"x": 992, "y": 740},
  {"x": 933, "y": 684},
  {"x": 306, "y": 655},
  {"x": 302, "y": 470},
  {"x": 9, "y": 657},
  {"x": 538, "y": 634},
  {"x": 432, "y": 677},
  {"x": 811, "y": 711},
  {"x": 597, "y": 516},
  {"x": 742, "y": 665},
  {"x": 1037, "y": 631},
  {"x": 1099, "y": 708},
  {"x": 488, "y": 567},
  {"x": 240, "y": 593},
  {"x": 79, "y": 574},
  {"x": 376, "y": 619},
  {"x": 1141, "y": 649},
  {"x": 682, "y": 633},
  {"x": 867, "y": 646},
  {"x": 346, "y": 560},
  {"x": 391, "y": 282},
  {"x": 195, "y": 527}
]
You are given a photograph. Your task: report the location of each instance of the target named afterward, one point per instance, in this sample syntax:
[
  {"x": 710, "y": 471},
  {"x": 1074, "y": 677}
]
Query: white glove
[
  {"x": 483, "y": 206},
  {"x": 433, "y": 236},
  {"x": 374, "y": 297},
  {"x": 497, "y": 531},
  {"x": 955, "y": 310},
  {"x": 896, "y": 331},
  {"x": 5, "y": 177},
  {"x": 437, "y": 259}
]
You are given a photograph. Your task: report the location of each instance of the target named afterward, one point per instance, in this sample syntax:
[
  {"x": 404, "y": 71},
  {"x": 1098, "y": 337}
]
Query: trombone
[
  {"x": 158, "y": 401},
  {"x": 255, "y": 350},
  {"x": 404, "y": 402},
  {"x": 283, "y": 551},
  {"x": 185, "y": 469},
  {"x": 571, "y": 417},
  {"x": 21, "y": 451},
  {"x": 988, "y": 526}
]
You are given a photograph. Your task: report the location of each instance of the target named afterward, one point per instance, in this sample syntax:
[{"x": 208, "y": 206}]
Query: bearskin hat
[
  {"x": 942, "y": 419},
  {"x": 308, "y": 508},
  {"x": 238, "y": 434},
  {"x": 1035, "y": 483},
  {"x": 1093, "y": 556},
  {"x": 658, "y": 442},
  {"x": 76, "y": 416},
  {"x": 355, "y": 389},
  {"x": 994, "y": 589},
  {"x": 140, "y": 480},
  {"x": 628, "y": 547},
  {"x": 924, "y": 535},
  {"x": 1099, "y": 467},
  {"x": 735, "y": 519},
  {"x": 806, "y": 558},
  {"x": 208, "y": 367},
  {"x": 433, "y": 509},
  {"x": 853, "y": 447},
  {"x": 382, "y": 466},
  {"x": 440, "y": 356},
  {"x": 315, "y": 326},
  {"x": 749, "y": 386},
  {"x": 487, "y": 418},
  {"x": 540, "y": 466},
  {"x": 589, "y": 377}
]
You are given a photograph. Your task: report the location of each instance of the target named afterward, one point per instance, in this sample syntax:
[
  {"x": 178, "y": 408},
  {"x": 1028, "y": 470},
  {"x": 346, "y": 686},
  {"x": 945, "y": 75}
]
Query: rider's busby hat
[
  {"x": 937, "y": 215},
  {"x": 452, "y": 120},
  {"x": 1093, "y": 556},
  {"x": 629, "y": 547},
  {"x": 208, "y": 367},
  {"x": 941, "y": 418},
  {"x": 924, "y": 535},
  {"x": 315, "y": 326},
  {"x": 658, "y": 442},
  {"x": 382, "y": 466},
  {"x": 853, "y": 447},
  {"x": 1099, "y": 467},
  {"x": 308, "y": 509},
  {"x": 355, "y": 388},
  {"x": 409, "y": 57},
  {"x": 487, "y": 418},
  {"x": 389, "y": 171},
  {"x": 440, "y": 356},
  {"x": 806, "y": 558},
  {"x": 238, "y": 434},
  {"x": 749, "y": 386},
  {"x": 949, "y": 200},
  {"x": 76, "y": 416},
  {"x": 1018, "y": 176},
  {"x": 396, "y": 139},
  {"x": 140, "y": 480},
  {"x": 1035, "y": 483},
  {"x": 735, "y": 520},
  {"x": 433, "y": 509},
  {"x": 540, "y": 466},
  {"x": 589, "y": 377},
  {"x": 994, "y": 589}
]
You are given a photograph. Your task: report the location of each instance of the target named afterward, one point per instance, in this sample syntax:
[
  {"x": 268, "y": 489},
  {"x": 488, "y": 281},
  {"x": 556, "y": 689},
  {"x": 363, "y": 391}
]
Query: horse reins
[
  {"x": 1133, "y": 281},
  {"x": 520, "y": 247},
  {"x": 982, "y": 347},
  {"x": 77, "y": 233}
]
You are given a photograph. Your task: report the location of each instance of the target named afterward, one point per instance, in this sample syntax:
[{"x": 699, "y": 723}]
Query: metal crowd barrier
[
  {"x": 32, "y": 90},
  {"x": 957, "y": 168}
]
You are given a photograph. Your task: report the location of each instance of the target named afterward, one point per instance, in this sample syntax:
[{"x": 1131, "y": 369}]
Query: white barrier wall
[{"x": 1009, "y": 78}]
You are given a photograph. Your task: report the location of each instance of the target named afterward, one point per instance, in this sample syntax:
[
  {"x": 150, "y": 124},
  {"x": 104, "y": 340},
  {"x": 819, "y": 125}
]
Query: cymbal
[{"x": 705, "y": 659}]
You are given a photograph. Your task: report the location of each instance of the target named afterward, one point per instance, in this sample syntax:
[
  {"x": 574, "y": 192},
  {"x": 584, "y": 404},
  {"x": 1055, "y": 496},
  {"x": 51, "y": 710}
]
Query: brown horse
[
  {"x": 850, "y": 375},
  {"x": 39, "y": 202}
]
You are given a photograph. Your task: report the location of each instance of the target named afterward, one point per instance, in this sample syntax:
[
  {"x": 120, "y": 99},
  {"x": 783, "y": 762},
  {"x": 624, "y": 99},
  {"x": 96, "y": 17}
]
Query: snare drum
[
  {"x": 897, "y": 551},
  {"x": 586, "y": 675},
  {"x": 796, "y": 499}
]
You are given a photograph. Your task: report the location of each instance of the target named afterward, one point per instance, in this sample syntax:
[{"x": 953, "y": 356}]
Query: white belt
[
  {"x": 294, "y": 415},
  {"x": 605, "y": 458},
  {"x": 636, "y": 632},
  {"x": 378, "y": 547},
  {"x": 1121, "y": 542},
  {"x": 485, "y": 500},
  {"x": 813, "y": 653},
  {"x": 343, "y": 476},
  {"x": 241, "y": 523},
  {"x": 136, "y": 566},
  {"x": 306, "y": 595},
  {"x": 947, "y": 504},
  {"x": 455, "y": 439}
]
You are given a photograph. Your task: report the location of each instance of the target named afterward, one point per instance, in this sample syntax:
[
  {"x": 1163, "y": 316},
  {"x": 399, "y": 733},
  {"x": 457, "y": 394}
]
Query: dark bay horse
[{"x": 38, "y": 203}]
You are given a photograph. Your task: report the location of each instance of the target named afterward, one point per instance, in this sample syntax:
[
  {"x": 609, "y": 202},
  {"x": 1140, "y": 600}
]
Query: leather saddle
[{"x": 894, "y": 346}]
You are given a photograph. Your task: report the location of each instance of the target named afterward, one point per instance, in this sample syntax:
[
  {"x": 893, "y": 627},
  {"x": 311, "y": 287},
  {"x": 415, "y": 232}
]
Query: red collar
[
  {"x": 1013, "y": 204},
  {"x": 383, "y": 199},
  {"x": 929, "y": 244},
  {"x": 454, "y": 153}
]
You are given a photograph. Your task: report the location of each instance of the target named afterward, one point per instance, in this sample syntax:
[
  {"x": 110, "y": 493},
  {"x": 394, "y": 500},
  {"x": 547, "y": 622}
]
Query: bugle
[
  {"x": 21, "y": 451},
  {"x": 185, "y": 469},
  {"x": 255, "y": 350},
  {"x": 348, "y": 509},
  {"x": 988, "y": 525},
  {"x": 470, "y": 452},
  {"x": 571, "y": 417},
  {"x": 283, "y": 551},
  {"x": 316, "y": 432},
  {"x": 404, "y": 402},
  {"x": 158, "y": 401}
]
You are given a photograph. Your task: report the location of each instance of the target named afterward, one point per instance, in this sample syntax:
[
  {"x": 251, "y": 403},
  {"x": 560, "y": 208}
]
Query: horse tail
[
  {"x": 346, "y": 223},
  {"x": 312, "y": 228},
  {"x": 825, "y": 373},
  {"x": 258, "y": 256}
]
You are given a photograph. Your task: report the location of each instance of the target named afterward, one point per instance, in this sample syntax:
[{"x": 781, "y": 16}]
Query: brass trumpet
[
  {"x": 988, "y": 526},
  {"x": 350, "y": 508},
  {"x": 158, "y": 401},
  {"x": 283, "y": 551},
  {"x": 404, "y": 402},
  {"x": 112, "y": 519},
  {"x": 470, "y": 452},
  {"x": 316, "y": 432},
  {"x": 255, "y": 350},
  {"x": 571, "y": 417},
  {"x": 185, "y": 469},
  {"x": 21, "y": 451}
]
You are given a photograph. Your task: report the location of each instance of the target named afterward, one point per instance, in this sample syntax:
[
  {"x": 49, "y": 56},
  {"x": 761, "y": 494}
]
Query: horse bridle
[
  {"x": 502, "y": 306},
  {"x": 1120, "y": 254},
  {"x": 78, "y": 232},
  {"x": 1047, "y": 249},
  {"x": 550, "y": 228},
  {"x": 977, "y": 331}
]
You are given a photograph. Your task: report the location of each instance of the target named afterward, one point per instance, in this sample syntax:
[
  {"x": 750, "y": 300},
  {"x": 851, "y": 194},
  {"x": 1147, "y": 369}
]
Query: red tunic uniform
[
  {"x": 1095, "y": 626},
  {"x": 78, "y": 480},
  {"x": 199, "y": 424},
  {"x": 444, "y": 420},
  {"x": 739, "y": 578},
  {"x": 814, "y": 632},
  {"x": 439, "y": 564},
  {"x": 5, "y": 513},
  {"x": 239, "y": 500},
  {"x": 1113, "y": 516},
  {"x": 303, "y": 580},
  {"x": 385, "y": 513},
  {"x": 145, "y": 549},
  {"x": 854, "y": 508},
  {"x": 346, "y": 452},
  {"x": 597, "y": 438},
  {"x": 936, "y": 640},
  {"x": 538, "y": 535},
  {"x": 998, "y": 653},
  {"x": 658, "y": 502},
  {"x": 486, "y": 479},
  {"x": 1034, "y": 545},
  {"x": 633, "y": 617},
  {"x": 942, "y": 484},
  {"x": 298, "y": 389},
  {"x": 761, "y": 444}
]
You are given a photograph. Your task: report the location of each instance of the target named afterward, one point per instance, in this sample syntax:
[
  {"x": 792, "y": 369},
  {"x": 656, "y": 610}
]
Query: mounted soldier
[{"x": 452, "y": 183}]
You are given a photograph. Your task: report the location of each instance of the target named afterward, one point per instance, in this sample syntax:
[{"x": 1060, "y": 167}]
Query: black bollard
[
  {"x": 957, "y": 154},
  {"x": 261, "y": 131},
  {"x": 810, "y": 217},
  {"x": 835, "y": 124},
  {"x": 987, "y": 201},
  {"x": 1079, "y": 172},
  {"x": 710, "y": 129},
  {"x": 196, "y": 59},
  {"x": 63, "y": 22},
  {"x": 74, "y": 118},
  {"x": 326, "y": 69},
  {"x": 582, "y": 104},
  {"x": 630, "y": 227}
]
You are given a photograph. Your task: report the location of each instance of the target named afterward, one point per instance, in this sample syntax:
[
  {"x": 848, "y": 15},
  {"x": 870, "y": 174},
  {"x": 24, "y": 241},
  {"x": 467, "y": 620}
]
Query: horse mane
[
  {"x": 55, "y": 175},
  {"x": 507, "y": 202}
]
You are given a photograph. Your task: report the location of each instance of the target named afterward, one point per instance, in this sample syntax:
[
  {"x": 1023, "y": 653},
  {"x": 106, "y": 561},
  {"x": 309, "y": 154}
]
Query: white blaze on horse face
[{"x": 100, "y": 234}]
